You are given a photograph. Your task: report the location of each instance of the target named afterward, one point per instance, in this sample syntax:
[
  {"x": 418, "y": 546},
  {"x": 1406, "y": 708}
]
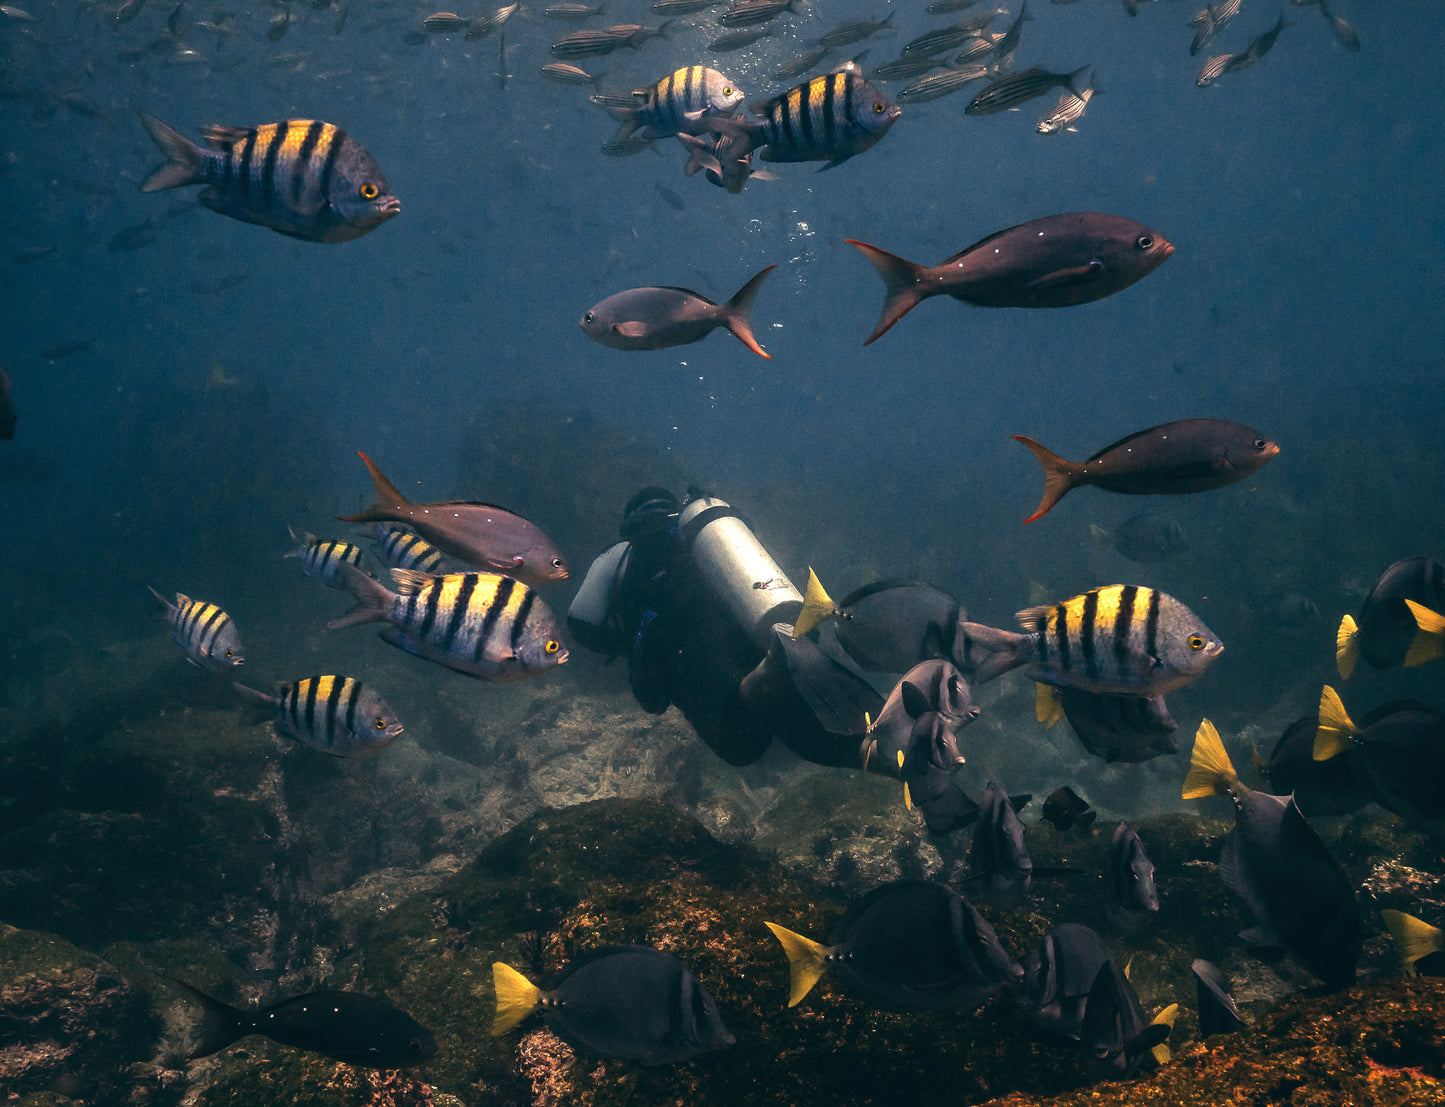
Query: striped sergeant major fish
[
  {"x": 681, "y": 102},
  {"x": 204, "y": 631},
  {"x": 484, "y": 624},
  {"x": 1123, "y": 640},
  {"x": 334, "y": 714},
  {"x": 322, "y": 559},
  {"x": 302, "y": 177},
  {"x": 402, "y": 548},
  {"x": 828, "y": 119}
]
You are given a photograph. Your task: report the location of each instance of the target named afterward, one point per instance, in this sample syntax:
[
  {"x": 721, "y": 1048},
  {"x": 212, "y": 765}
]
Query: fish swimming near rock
[
  {"x": 656, "y": 318},
  {"x": 1065, "y": 809},
  {"x": 1123, "y": 640},
  {"x": 1187, "y": 455},
  {"x": 911, "y": 945},
  {"x": 7, "y": 408},
  {"x": 626, "y": 1002},
  {"x": 1131, "y": 898},
  {"x": 1330, "y": 787},
  {"x": 1386, "y": 628},
  {"x": 302, "y": 177},
  {"x": 334, "y": 714},
  {"x": 913, "y": 734},
  {"x": 345, "y": 1026},
  {"x": 1421, "y": 946},
  {"x": 323, "y": 559},
  {"x": 482, "y": 535},
  {"x": 1274, "y": 861},
  {"x": 1056, "y": 261},
  {"x": 1127, "y": 729},
  {"x": 998, "y": 855},
  {"x": 482, "y": 624},
  {"x": 830, "y": 119},
  {"x": 204, "y": 631},
  {"x": 1215, "y": 1006}
]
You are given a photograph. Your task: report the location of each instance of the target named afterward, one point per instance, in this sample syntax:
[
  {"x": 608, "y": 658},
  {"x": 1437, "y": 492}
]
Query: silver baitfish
[
  {"x": 1016, "y": 88},
  {"x": 1068, "y": 111},
  {"x": 204, "y": 631},
  {"x": 590, "y": 44},
  {"x": 937, "y": 85},
  {"x": 444, "y": 23},
  {"x": 400, "y": 547},
  {"x": 334, "y": 714},
  {"x": 855, "y": 30},
  {"x": 736, "y": 40},
  {"x": 324, "y": 559},
  {"x": 302, "y": 177},
  {"x": 563, "y": 74},
  {"x": 482, "y": 624},
  {"x": 572, "y": 11},
  {"x": 749, "y": 13}
]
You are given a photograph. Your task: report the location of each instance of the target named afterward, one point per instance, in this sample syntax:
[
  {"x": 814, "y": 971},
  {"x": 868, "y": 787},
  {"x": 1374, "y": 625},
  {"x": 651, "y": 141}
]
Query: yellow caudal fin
[
  {"x": 1261, "y": 766},
  {"x": 817, "y": 606},
  {"x": 1429, "y": 644},
  {"x": 1336, "y": 733},
  {"x": 1210, "y": 770},
  {"x": 907, "y": 797},
  {"x": 517, "y": 997},
  {"x": 1347, "y": 647},
  {"x": 1048, "y": 706},
  {"x": 1415, "y": 937},
  {"x": 807, "y": 961},
  {"x": 1166, "y": 1017}
]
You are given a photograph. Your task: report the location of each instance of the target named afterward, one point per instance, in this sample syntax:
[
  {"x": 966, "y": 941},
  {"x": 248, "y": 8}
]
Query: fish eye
[
  {"x": 1196, "y": 642},
  {"x": 556, "y": 563},
  {"x": 414, "y": 1046},
  {"x": 369, "y": 191},
  {"x": 1259, "y": 443},
  {"x": 1144, "y": 241},
  {"x": 230, "y": 653},
  {"x": 878, "y": 108},
  {"x": 728, "y": 90},
  {"x": 552, "y": 646},
  {"x": 380, "y": 723},
  {"x": 587, "y": 318}
]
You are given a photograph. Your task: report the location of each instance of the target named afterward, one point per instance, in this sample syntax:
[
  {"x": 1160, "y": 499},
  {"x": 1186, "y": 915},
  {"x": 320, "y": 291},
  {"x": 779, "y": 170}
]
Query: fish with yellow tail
[
  {"x": 1274, "y": 861},
  {"x": 1422, "y": 946},
  {"x": 302, "y": 177},
  {"x": 1387, "y": 628},
  {"x": 1429, "y": 643}
]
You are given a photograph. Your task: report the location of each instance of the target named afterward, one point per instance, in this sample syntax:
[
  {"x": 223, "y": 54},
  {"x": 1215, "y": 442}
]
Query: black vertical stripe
[
  {"x": 409, "y": 617},
  {"x": 459, "y": 611},
  {"x": 433, "y": 597},
  {"x": 519, "y": 624},
  {"x": 310, "y": 727},
  {"x": 830, "y": 122},
  {"x": 355, "y": 694},
  {"x": 1061, "y": 636},
  {"x": 333, "y": 702},
  {"x": 338, "y": 138},
  {"x": 1086, "y": 633},
  {"x": 805, "y": 115},
  {"x": 308, "y": 147},
  {"x": 1151, "y": 628},
  {"x": 212, "y": 630},
  {"x": 268, "y": 167},
  {"x": 494, "y": 612},
  {"x": 321, "y": 556},
  {"x": 289, "y": 700},
  {"x": 243, "y": 167},
  {"x": 1123, "y": 625}
]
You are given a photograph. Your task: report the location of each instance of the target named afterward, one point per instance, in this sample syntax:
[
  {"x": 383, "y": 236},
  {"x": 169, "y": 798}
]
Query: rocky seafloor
[{"x": 145, "y": 836}]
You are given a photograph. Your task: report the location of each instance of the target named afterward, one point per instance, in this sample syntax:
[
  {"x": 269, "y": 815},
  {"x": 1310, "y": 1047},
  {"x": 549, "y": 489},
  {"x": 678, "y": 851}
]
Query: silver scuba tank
[{"x": 737, "y": 567}]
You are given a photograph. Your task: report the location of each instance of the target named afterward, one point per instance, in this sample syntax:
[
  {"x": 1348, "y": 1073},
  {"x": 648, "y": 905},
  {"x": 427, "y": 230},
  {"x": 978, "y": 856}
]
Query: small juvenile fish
[
  {"x": 905, "y": 69},
  {"x": 1068, "y": 111},
  {"x": 484, "y": 25},
  {"x": 334, "y": 714},
  {"x": 345, "y": 1026},
  {"x": 1216, "y": 67},
  {"x": 947, "y": 7},
  {"x": 748, "y": 13},
  {"x": 572, "y": 11},
  {"x": 1016, "y": 88},
  {"x": 1187, "y": 455},
  {"x": 682, "y": 7},
  {"x": 204, "y": 631},
  {"x": 937, "y": 85},
  {"x": 736, "y": 40},
  {"x": 444, "y": 23},
  {"x": 1210, "y": 21},
  {"x": 589, "y": 44},
  {"x": 856, "y": 30},
  {"x": 563, "y": 74},
  {"x": 940, "y": 39},
  {"x": 324, "y": 559},
  {"x": 654, "y": 318},
  {"x": 302, "y": 177}
]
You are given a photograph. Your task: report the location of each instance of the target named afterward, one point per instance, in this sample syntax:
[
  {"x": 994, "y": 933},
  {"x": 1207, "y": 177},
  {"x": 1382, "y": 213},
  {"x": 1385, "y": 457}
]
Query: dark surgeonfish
[
  {"x": 345, "y": 1026},
  {"x": 1216, "y": 1009},
  {"x": 1187, "y": 455},
  {"x": 1114, "y": 1037},
  {"x": 1422, "y": 946},
  {"x": 998, "y": 856},
  {"x": 334, "y": 714},
  {"x": 1066, "y": 809},
  {"x": 7, "y": 408},
  {"x": 1131, "y": 897},
  {"x": 1386, "y": 628},
  {"x": 1128, "y": 729},
  {"x": 1017, "y": 88},
  {"x": 1056, "y": 261},
  {"x": 1274, "y": 861},
  {"x": 656, "y": 318},
  {"x": 302, "y": 177},
  {"x": 1331, "y": 787},
  {"x": 323, "y": 559},
  {"x": 911, "y": 945},
  {"x": 1429, "y": 643},
  {"x": 482, "y": 535},
  {"x": 204, "y": 631},
  {"x": 829, "y": 119},
  {"x": 482, "y": 624},
  {"x": 913, "y": 736},
  {"x": 1123, "y": 639},
  {"x": 1145, "y": 537},
  {"x": 624, "y": 1002},
  {"x": 1398, "y": 749}
]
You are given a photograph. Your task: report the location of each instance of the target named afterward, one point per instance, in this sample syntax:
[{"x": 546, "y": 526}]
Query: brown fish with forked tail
[
  {"x": 1056, "y": 261},
  {"x": 484, "y": 536},
  {"x": 656, "y": 318},
  {"x": 1188, "y": 455}
]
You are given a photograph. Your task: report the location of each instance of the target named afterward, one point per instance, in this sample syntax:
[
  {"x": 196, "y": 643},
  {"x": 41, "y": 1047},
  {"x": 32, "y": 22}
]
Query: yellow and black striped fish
[
  {"x": 484, "y": 624},
  {"x": 335, "y": 714},
  {"x": 681, "y": 101},
  {"x": 323, "y": 559},
  {"x": 402, "y": 548},
  {"x": 828, "y": 119},
  {"x": 204, "y": 631},
  {"x": 1123, "y": 640},
  {"x": 302, "y": 177}
]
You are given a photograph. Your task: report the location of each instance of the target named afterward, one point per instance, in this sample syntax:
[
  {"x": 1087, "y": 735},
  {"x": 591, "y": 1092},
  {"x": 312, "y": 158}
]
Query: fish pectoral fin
[
  {"x": 630, "y": 329},
  {"x": 1076, "y": 274}
]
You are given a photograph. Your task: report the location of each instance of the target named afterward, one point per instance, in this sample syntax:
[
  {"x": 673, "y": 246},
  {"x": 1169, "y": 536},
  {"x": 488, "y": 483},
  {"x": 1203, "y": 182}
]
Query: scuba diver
[{"x": 706, "y": 619}]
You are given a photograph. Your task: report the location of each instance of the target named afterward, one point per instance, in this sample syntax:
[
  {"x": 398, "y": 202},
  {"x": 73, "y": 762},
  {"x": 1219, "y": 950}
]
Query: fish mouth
[
  {"x": 1165, "y": 249},
  {"x": 391, "y": 207}
]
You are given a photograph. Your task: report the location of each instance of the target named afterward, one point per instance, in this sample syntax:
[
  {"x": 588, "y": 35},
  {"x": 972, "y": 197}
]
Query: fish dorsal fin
[
  {"x": 807, "y": 961},
  {"x": 1032, "y": 618},
  {"x": 517, "y": 997},
  {"x": 1347, "y": 647},
  {"x": 409, "y": 581},
  {"x": 1336, "y": 731},
  {"x": 218, "y": 136},
  {"x": 915, "y": 700}
]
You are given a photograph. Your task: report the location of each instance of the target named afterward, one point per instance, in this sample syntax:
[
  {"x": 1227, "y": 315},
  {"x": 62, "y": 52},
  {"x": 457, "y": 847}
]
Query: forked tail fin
[
  {"x": 903, "y": 287},
  {"x": 736, "y": 311}
]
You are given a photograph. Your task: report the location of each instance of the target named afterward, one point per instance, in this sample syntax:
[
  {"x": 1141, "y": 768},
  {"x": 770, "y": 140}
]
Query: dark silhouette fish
[
  {"x": 1188, "y": 455},
  {"x": 654, "y": 318},
  {"x": 484, "y": 536},
  {"x": 1331, "y": 787},
  {"x": 1146, "y": 537},
  {"x": 1129, "y": 729},
  {"x": 344, "y": 1026},
  {"x": 1276, "y": 863},
  {"x": 628, "y": 1002},
  {"x": 1386, "y": 628},
  {"x": 911, "y": 945},
  {"x": 7, "y": 408},
  {"x": 1056, "y": 261},
  {"x": 1130, "y": 894},
  {"x": 1216, "y": 1009},
  {"x": 999, "y": 856},
  {"x": 913, "y": 735},
  {"x": 1066, "y": 809}
]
